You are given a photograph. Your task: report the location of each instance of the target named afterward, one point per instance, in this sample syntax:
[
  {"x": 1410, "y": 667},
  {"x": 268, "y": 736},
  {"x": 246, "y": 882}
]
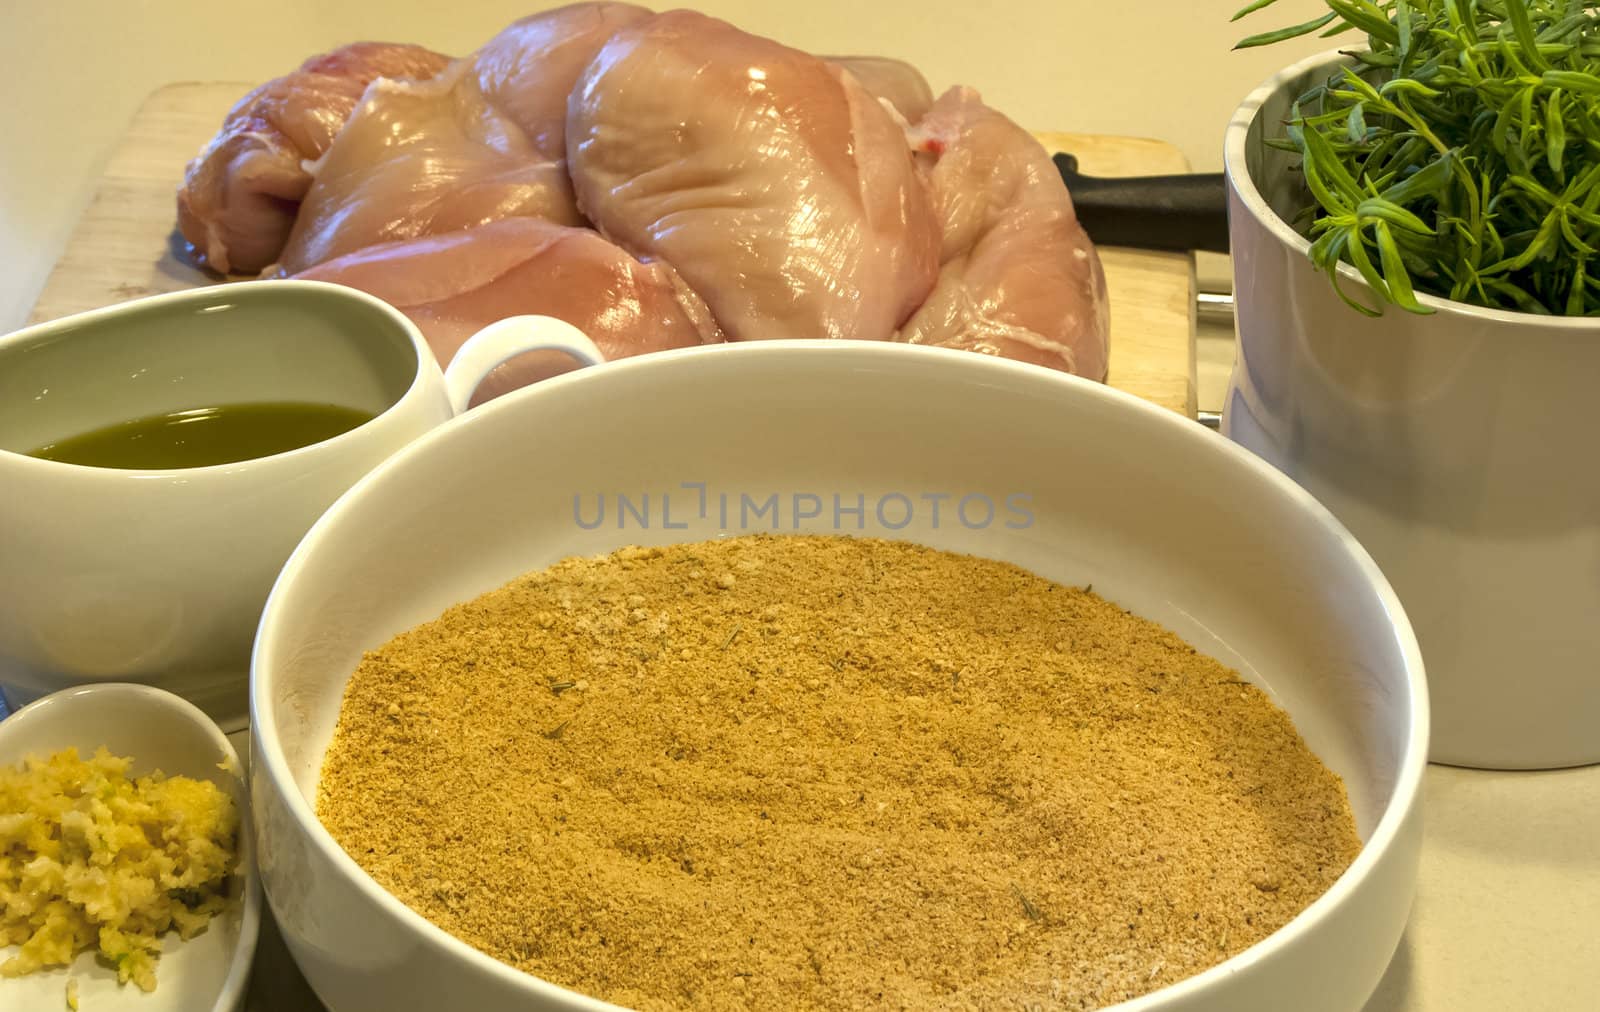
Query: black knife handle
[{"x": 1187, "y": 212}]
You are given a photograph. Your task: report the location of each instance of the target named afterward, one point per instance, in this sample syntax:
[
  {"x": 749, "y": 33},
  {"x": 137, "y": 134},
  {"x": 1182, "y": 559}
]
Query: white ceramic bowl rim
[
  {"x": 233, "y": 987},
  {"x": 94, "y": 316},
  {"x": 1236, "y": 166},
  {"x": 272, "y": 762}
]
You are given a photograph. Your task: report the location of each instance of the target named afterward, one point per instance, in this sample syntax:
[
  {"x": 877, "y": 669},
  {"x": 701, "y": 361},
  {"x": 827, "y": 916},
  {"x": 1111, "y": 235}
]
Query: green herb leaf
[
  {"x": 1571, "y": 80},
  {"x": 1576, "y": 241},
  {"x": 1363, "y": 263},
  {"x": 1367, "y": 17},
  {"x": 1394, "y": 271},
  {"x": 1331, "y": 166},
  {"x": 1294, "y": 31},
  {"x": 1402, "y": 26},
  {"x": 1357, "y": 124},
  {"x": 1555, "y": 133},
  {"x": 1385, "y": 210},
  {"x": 1522, "y": 27},
  {"x": 1253, "y": 8},
  {"x": 1404, "y": 86},
  {"x": 1424, "y": 182}
]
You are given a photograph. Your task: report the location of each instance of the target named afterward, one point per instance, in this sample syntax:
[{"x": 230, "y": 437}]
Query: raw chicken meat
[
  {"x": 421, "y": 159},
  {"x": 240, "y": 195},
  {"x": 529, "y": 69},
  {"x": 454, "y": 285},
  {"x": 658, "y": 181},
  {"x": 1019, "y": 276},
  {"x": 893, "y": 81},
  {"x": 484, "y": 140},
  {"x": 780, "y": 190}
]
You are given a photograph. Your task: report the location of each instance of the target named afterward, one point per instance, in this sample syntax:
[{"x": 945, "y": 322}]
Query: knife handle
[{"x": 1185, "y": 212}]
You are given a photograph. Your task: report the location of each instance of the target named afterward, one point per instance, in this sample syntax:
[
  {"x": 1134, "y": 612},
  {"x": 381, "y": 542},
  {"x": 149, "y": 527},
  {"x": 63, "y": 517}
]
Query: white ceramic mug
[
  {"x": 159, "y": 577},
  {"x": 1455, "y": 445}
]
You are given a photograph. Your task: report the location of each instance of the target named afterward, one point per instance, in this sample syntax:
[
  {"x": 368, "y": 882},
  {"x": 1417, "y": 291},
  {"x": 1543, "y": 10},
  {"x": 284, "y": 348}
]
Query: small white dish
[{"x": 158, "y": 730}]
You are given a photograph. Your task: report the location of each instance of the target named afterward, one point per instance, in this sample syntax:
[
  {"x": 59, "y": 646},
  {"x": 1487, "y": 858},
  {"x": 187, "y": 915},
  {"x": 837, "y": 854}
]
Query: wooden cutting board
[{"x": 126, "y": 244}]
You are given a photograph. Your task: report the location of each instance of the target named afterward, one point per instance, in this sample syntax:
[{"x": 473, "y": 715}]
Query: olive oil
[{"x": 201, "y": 437}]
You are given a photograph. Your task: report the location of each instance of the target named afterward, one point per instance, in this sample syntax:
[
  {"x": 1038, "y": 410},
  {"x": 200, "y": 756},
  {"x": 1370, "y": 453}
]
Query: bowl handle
[{"x": 506, "y": 339}]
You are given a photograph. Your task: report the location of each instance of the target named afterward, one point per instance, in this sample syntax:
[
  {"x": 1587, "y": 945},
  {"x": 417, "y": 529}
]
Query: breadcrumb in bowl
[{"x": 126, "y": 869}]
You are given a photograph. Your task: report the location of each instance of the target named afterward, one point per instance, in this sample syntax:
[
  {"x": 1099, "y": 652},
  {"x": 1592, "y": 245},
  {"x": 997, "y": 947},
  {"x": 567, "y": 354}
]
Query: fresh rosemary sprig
[{"x": 1459, "y": 155}]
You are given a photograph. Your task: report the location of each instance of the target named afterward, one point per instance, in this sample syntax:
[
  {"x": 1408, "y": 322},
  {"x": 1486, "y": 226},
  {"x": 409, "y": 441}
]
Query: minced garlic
[{"x": 90, "y": 858}]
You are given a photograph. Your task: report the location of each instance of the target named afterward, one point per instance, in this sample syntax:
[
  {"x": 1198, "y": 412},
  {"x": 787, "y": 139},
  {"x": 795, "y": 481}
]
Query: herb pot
[{"x": 1454, "y": 445}]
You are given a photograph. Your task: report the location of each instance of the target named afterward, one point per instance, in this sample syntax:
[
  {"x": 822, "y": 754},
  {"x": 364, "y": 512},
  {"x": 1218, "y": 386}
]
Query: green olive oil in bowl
[{"x": 202, "y": 437}]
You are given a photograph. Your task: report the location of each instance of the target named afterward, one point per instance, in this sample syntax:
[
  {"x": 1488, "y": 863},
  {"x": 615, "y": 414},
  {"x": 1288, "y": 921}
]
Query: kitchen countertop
[{"x": 1507, "y": 915}]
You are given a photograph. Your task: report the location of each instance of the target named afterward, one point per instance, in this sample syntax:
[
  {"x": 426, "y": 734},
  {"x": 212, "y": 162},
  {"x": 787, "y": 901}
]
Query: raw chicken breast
[
  {"x": 484, "y": 140},
  {"x": 772, "y": 181},
  {"x": 240, "y": 195},
  {"x": 454, "y": 285},
  {"x": 893, "y": 81},
  {"x": 658, "y": 181},
  {"x": 529, "y": 69},
  {"x": 1020, "y": 278},
  {"x": 422, "y": 159}
]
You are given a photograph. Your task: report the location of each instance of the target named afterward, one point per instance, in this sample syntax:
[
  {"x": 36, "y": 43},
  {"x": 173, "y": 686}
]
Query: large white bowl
[{"x": 1160, "y": 514}]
